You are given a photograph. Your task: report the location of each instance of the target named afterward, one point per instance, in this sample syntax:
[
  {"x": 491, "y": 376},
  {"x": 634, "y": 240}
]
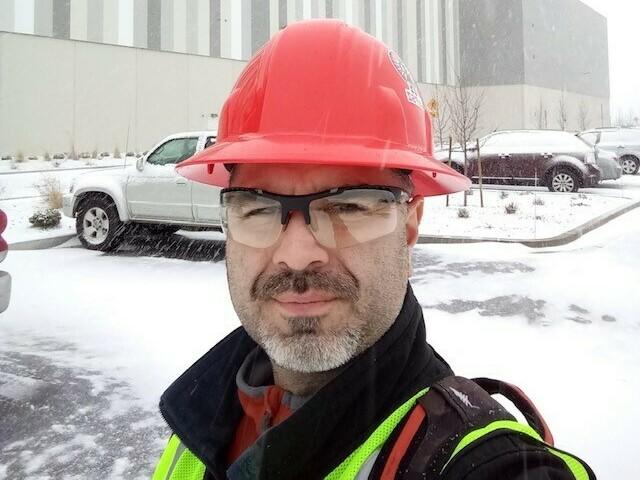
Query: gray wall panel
[
  {"x": 421, "y": 43},
  {"x": 491, "y": 42},
  {"x": 166, "y": 24},
  {"x": 566, "y": 47},
  {"x": 282, "y": 13},
  {"x": 61, "y": 24},
  {"x": 154, "y": 30},
  {"x": 7, "y": 15},
  {"x": 192, "y": 27},
  {"x": 43, "y": 12},
  {"x": 140, "y": 18},
  {"x": 260, "y": 14},
  {"x": 214, "y": 28},
  {"x": 95, "y": 20}
]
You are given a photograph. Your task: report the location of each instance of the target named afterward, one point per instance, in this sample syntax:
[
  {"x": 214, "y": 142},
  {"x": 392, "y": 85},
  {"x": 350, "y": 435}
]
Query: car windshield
[{"x": 244, "y": 237}]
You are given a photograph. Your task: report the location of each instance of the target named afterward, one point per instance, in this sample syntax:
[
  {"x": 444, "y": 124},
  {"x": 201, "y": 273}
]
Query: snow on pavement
[{"x": 91, "y": 340}]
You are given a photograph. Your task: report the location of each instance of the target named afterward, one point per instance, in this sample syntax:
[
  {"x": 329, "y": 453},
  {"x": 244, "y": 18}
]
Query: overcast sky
[{"x": 624, "y": 60}]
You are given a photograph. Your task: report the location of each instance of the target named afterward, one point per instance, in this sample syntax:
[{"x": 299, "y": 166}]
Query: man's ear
[{"x": 414, "y": 216}]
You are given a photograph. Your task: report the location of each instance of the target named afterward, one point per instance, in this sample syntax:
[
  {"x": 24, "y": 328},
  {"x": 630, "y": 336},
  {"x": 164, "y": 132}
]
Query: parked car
[
  {"x": 151, "y": 196},
  {"x": 5, "y": 278},
  {"x": 609, "y": 164},
  {"x": 555, "y": 159},
  {"x": 624, "y": 142}
]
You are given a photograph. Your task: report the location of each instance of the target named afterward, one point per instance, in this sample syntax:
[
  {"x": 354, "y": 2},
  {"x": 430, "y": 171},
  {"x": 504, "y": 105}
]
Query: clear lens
[
  {"x": 251, "y": 219},
  {"x": 353, "y": 216},
  {"x": 337, "y": 221}
]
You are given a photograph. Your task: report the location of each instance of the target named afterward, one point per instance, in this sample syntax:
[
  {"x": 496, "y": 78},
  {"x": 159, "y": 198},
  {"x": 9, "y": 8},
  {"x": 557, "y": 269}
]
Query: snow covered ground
[
  {"x": 537, "y": 214},
  {"x": 62, "y": 164},
  {"x": 90, "y": 341}
]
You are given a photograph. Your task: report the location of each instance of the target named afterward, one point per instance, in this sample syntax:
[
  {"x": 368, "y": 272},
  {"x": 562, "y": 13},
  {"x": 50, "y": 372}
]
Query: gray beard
[{"x": 306, "y": 351}]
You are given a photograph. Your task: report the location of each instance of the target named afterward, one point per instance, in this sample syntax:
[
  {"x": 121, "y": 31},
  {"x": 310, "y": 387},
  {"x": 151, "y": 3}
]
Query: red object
[
  {"x": 3, "y": 226},
  {"x": 521, "y": 401},
  {"x": 323, "y": 92},
  {"x": 402, "y": 443},
  {"x": 259, "y": 413}
]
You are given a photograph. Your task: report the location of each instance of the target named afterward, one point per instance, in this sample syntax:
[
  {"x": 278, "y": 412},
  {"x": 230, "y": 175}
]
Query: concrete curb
[
  {"x": 556, "y": 241},
  {"x": 41, "y": 243}
]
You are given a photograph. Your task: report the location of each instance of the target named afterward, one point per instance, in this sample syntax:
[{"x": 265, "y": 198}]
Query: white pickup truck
[{"x": 152, "y": 196}]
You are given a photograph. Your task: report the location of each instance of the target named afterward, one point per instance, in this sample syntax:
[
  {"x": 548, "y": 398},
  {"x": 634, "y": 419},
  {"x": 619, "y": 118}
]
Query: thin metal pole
[{"x": 479, "y": 171}]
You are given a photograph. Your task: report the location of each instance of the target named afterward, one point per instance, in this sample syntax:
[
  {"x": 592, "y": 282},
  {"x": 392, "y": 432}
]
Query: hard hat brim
[{"x": 430, "y": 176}]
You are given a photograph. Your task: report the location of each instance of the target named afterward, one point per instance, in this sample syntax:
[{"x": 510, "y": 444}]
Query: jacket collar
[{"x": 203, "y": 410}]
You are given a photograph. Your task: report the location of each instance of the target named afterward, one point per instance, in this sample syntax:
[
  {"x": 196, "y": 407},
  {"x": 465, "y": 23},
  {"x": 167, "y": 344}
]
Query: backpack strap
[
  {"x": 451, "y": 409},
  {"x": 521, "y": 401}
]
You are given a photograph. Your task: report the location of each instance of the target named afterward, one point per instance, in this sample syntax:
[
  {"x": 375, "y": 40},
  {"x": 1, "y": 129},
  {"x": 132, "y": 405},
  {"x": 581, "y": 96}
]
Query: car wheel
[
  {"x": 563, "y": 180},
  {"x": 98, "y": 225},
  {"x": 629, "y": 164}
]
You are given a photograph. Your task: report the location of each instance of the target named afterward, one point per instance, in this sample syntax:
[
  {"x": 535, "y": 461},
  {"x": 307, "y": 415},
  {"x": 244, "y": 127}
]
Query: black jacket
[{"x": 203, "y": 409}]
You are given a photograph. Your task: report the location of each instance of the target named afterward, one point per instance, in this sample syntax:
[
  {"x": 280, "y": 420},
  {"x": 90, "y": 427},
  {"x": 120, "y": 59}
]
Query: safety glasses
[{"x": 337, "y": 218}]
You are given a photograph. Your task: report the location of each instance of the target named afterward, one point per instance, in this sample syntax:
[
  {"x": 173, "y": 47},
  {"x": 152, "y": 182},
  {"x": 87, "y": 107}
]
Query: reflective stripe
[
  {"x": 492, "y": 427},
  {"x": 351, "y": 466},
  {"x": 573, "y": 464},
  {"x": 178, "y": 463},
  {"x": 578, "y": 470}
]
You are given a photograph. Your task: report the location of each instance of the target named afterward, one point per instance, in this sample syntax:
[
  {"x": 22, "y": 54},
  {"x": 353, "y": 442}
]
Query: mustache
[{"x": 341, "y": 285}]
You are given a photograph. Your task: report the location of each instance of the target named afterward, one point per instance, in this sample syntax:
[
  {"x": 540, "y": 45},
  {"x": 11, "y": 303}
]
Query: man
[{"x": 329, "y": 152}]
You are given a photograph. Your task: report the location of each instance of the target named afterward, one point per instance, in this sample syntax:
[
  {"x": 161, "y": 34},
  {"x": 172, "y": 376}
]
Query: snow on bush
[
  {"x": 504, "y": 195},
  {"x": 463, "y": 213},
  {"x": 511, "y": 208},
  {"x": 538, "y": 201},
  {"x": 45, "y": 219},
  {"x": 49, "y": 187}
]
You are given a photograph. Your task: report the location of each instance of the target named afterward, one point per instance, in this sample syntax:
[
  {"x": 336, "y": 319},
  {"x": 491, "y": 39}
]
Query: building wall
[
  {"x": 491, "y": 42},
  {"x": 565, "y": 47},
  {"x": 59, "y": 95}
]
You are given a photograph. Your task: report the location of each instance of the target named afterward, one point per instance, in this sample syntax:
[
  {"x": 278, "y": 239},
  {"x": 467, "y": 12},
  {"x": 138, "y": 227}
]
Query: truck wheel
[
  {"x": 98, "y": 225},
  {"x": 629, "y": 164},
  {"x": 563, "y": 180}
]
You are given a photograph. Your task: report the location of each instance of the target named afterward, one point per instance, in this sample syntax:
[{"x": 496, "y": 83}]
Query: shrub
[
  {"x": 19, "y": 157},
  {"x": 116, "y": 153},
  {"x": 58, "y": 156},
  {"x": 7, "y": 157},
  {"x": 504, "y": 195},
  {"x": 94, "y": 154},
  {"x": 73, "y": 155},
  {"x": 463, "y": 213},
  {"x": 47, "y": 157},
  {"x": 538, "y": 201},
  {"x": 84, "y": 155},
  {"x": 51, "y": 190},
  {"x": 45, "y": 219},
  {"x": 32, "y": 157},
  {"x": 511, "y": 208},
  {"x": 104, "y": 154},
  {"x": 131, "y": 154}
]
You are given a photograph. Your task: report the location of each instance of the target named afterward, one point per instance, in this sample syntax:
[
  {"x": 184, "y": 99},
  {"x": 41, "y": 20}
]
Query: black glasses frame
[{"x": 301, "y": 203}]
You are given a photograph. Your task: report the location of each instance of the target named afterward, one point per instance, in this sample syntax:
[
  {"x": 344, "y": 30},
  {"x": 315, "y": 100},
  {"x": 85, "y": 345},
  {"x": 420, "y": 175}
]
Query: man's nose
[{"x": 297, "y": 248}]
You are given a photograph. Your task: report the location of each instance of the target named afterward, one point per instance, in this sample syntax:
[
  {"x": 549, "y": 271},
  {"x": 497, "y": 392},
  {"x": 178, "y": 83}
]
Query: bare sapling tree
[
  {"x": 541, "y": 115},
  {"x": 464, "y": 105},
  {"x": 562, "y": 112},
  {"x": 583, "y": 116},
  {"x": 438, "y": 109}
]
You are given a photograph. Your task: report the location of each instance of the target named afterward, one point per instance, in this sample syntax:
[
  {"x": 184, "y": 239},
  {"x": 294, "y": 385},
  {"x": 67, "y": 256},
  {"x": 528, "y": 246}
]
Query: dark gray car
[
  {"x": 624, "y": 142},
  {"x": 558, "y": 160}
]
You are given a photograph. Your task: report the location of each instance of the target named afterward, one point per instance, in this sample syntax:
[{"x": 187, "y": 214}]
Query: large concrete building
[{"x": 85, "y": 75}]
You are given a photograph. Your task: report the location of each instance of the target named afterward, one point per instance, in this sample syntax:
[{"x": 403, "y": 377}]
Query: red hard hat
[{"x": 323, "y": 92}]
